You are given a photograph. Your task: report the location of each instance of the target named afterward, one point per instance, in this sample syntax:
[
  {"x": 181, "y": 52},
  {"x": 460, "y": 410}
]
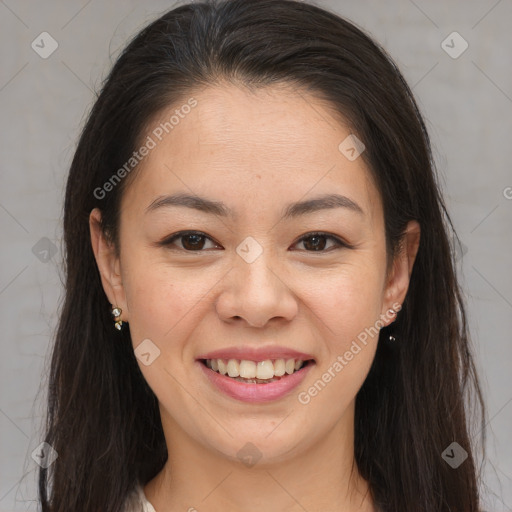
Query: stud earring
[
  {"x": 393, "y": 313},
  {"x": 116, "y": 313}
]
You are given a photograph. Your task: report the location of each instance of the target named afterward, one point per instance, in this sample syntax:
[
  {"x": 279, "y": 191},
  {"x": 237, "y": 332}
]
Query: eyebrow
[{"x": 293, "y": 210}]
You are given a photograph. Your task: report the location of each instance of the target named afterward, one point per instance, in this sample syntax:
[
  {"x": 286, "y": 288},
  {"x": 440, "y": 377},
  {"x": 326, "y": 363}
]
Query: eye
[
  {"x": 316, "y": 242},
  {"x": 194, "y": 241}
]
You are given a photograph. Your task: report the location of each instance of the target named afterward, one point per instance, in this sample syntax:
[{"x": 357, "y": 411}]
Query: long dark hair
[{"x": 103, "y": 419}]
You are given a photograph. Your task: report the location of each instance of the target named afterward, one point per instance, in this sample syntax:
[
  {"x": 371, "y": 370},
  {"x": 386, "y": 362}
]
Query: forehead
[
  {"x": 281, "y": 119},
  {"x": 269, "y": 141}
]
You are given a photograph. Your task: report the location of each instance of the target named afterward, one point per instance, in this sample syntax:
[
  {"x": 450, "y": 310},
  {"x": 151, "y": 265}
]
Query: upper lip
[{"x": 256, "y": 354}]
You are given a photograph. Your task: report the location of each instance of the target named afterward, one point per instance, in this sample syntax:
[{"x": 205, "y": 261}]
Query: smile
[{"x": 255, "y": 381}]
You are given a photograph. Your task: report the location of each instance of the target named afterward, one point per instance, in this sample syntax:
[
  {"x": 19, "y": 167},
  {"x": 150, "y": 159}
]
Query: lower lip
[{"x": 255, "y": 393}]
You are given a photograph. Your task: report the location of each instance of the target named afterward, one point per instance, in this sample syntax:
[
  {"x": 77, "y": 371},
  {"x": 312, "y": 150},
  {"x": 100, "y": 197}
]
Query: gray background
[{"x": 467, "y": 102}]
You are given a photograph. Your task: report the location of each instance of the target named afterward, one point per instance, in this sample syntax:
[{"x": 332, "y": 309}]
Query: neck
[{"x": 322, "y": 476}]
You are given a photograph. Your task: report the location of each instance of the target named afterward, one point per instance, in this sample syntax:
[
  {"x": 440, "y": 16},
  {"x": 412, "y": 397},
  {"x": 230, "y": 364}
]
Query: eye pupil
[
  {"x": 195, "y": 241},
  {"x": 316, "y": 245}
]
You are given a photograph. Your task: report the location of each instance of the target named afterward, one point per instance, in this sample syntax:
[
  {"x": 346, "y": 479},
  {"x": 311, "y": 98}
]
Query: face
[{"x": 258, "y": 278}]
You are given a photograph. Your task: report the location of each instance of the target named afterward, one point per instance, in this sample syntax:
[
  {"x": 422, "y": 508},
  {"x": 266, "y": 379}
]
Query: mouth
[
  {"x": 257, "y": 372},
  {"x": 255, "y": 381}
]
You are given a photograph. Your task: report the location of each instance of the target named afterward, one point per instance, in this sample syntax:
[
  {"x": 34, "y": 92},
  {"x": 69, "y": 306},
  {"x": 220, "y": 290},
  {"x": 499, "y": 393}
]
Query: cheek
[
  {"x": 165, "y": 303},
  {"x": 346, "y": 310},
  {"x": 348, "y": 301}
]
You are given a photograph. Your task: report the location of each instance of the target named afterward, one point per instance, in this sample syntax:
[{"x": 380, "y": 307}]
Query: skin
[{"x": 256, "y": 152}]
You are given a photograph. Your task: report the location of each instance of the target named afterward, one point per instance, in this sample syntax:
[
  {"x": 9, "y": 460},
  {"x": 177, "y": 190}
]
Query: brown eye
[
  {"x": 191, "y": 241},
  {"x": 316, "y": 242}
]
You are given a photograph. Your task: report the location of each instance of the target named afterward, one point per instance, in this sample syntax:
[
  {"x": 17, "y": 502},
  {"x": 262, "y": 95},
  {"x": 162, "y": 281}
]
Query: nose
[{"x": 256, "y": 292}]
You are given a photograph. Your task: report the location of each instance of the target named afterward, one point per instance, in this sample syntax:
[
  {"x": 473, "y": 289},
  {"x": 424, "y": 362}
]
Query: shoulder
[{"x": 136, "y": 501}]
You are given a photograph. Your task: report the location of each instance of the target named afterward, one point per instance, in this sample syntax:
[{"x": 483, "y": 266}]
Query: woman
[{"x": 262, "y": 310}]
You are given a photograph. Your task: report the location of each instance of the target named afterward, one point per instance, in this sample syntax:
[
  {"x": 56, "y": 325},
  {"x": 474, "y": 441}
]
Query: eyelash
[{"x": 181, "y": 234}]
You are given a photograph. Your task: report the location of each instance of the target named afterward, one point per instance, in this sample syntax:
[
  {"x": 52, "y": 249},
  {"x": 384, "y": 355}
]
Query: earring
[
  {"x": 393, "y": 313},
  {"x": 116, "y": 313}
]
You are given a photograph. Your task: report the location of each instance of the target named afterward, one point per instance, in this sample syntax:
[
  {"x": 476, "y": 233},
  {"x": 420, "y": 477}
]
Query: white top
[{"x": 137, "y": 501}]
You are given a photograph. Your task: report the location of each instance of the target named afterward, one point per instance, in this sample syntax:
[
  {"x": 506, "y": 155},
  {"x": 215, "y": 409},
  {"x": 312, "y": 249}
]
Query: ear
[
  {"x": 108, "y": 263},
  {"x": 400, "y": 274}
]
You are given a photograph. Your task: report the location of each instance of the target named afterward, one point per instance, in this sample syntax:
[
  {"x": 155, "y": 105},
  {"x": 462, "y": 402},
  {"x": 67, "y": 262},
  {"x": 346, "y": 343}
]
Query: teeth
[
  {"x": 222, "y": 366},
  {"x": 248, "y": 370},
  {"x": 279, "y": 367},
  {"x": 290, "y": 366},
  {"x": 265, "y": 369},
  {"x": 262, "y": 370},
  {"x": 233, "y": 368}
]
